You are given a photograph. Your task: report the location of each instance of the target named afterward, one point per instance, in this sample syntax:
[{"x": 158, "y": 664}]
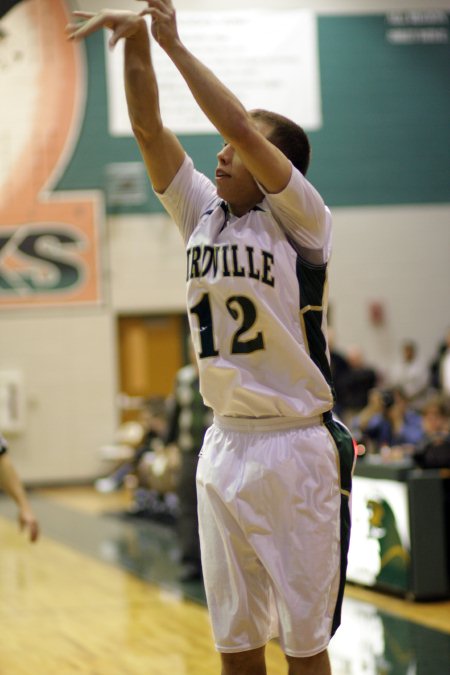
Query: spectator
[
  {"x": 356, "y": 383},
  {"x": 187, "y": 424},
  {"x": 444, "y": 373},
  {"x": 434, "y": 451},
  {"x": 439, "y": 367},
  {"x": 411, "y": 374},
  {"x": 150, "y": 426},
  {"x": 388, "y": 420},
  {"x": 340, "y": 368}
]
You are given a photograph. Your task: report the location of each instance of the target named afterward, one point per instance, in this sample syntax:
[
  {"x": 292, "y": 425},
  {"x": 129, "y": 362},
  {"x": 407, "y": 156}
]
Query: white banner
[{"x": 269, "y": 59}]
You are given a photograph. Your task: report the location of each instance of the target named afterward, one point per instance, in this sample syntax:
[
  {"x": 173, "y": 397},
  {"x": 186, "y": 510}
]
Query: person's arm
[
  {"x": 162, "y": 152},
  {"x": 370, "y": 415},
  {"x": 268, "y": 165},
  {"x": 12, "y": 485}
]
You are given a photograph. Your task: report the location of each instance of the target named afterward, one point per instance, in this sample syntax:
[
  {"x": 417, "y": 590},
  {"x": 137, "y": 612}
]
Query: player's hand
[
  {"x": 123, "y": 24},
  {"x": 164, "y": 22},
  {"x": 27, "y": 521},
  {"x": 375, "y": 401}
]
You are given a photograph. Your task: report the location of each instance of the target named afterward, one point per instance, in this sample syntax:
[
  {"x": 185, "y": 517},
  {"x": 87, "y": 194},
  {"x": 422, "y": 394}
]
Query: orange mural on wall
[{"x": 49, "y": 242}]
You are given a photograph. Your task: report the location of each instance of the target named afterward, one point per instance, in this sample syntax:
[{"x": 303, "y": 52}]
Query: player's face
[{"x": 235, "y": 184}]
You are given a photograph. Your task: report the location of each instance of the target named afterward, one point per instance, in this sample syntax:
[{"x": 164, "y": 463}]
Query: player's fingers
[
  {"x": 154, "y": 13},
  {"x": 118, "y": 33},
  {"x": 88, "y": 27},
  {"x": 163, "y": 6},
  {"x": 74, "y": 25},
  {"x": 34, "y": 531},
  {"x": 84, "y": 15}
]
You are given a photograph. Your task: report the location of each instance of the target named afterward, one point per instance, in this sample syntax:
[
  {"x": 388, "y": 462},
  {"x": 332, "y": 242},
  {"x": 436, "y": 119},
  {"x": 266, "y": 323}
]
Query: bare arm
[
  {"x": 266, "y": 163},
  {"x": 374, "y": 407},
  {"x": 160, "y": 148},
  {"x": 12, "y": 485}
]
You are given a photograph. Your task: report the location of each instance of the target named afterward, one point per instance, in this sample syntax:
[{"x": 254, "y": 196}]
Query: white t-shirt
[
  {"x": 445, "y": 373},
  {"x": 256, "y": 296},
  {"x": 411, "y": 376}
]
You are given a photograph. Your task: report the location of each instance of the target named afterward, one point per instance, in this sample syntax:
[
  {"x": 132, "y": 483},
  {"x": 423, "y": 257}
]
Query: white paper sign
[{"x": 269, "y": 59}]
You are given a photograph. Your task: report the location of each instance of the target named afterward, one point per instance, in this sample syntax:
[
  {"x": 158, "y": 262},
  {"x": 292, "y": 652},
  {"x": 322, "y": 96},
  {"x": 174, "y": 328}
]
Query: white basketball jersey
[{"x": 256, "y": 307}]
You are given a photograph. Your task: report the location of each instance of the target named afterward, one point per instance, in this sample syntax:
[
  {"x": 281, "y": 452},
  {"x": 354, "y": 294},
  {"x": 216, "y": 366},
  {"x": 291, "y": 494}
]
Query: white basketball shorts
[{"x": 274, "y": 524}]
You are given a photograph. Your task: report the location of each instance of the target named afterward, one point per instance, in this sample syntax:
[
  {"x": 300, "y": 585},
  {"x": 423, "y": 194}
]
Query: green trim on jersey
[
  {"x": 345, "y": 450},
  {"x": 312, "y": 280}
]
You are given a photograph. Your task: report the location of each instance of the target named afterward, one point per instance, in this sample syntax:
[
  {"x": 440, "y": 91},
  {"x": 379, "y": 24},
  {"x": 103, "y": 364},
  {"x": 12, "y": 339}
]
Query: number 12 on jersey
[{"x": 243, "y": 311}]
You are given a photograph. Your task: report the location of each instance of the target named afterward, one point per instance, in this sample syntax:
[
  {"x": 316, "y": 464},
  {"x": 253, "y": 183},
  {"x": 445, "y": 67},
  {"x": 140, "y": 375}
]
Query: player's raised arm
[
  {"x": 266, "y": 163},
  {"x": 160, "y": 148}
]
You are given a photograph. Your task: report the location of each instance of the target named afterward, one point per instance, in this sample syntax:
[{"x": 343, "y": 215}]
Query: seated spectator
[
  {"x": 411, "y": 374},
  {"x": 188, "y": 421},
  {"x": 440, "y": 367},
  {"x": 387, "y": 420},
  {"x": 434, "y": 451},
  {"x": 356, "y": 383},
  {"x": 444, "y": 369},
  {"x": 150, "y": 426},
  {"x": 340, "y": 368}
]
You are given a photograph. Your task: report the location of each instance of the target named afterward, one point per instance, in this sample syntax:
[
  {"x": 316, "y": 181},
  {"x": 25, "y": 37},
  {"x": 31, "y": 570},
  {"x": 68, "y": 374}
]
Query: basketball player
[
  {"x": 274, "y": 474},
  {"x": 12, "y": 485}
]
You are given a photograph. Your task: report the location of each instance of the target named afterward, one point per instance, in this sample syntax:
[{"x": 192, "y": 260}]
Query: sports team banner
[{"x": 49, "y": 242}]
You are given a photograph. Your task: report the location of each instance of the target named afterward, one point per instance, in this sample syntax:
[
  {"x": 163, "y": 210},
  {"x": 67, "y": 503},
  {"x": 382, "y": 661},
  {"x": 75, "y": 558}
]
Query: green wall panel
[{"x": 385, "y": 134}]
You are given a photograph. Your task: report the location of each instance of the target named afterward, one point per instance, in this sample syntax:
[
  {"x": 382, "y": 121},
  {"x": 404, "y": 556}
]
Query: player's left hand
[
  {"x": 27, "y": 521},
  {"x": 164, "y": 22}
]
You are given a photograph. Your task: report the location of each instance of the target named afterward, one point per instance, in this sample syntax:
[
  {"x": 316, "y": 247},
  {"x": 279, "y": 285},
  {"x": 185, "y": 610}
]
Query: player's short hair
[{"x": 288, "y": 136}]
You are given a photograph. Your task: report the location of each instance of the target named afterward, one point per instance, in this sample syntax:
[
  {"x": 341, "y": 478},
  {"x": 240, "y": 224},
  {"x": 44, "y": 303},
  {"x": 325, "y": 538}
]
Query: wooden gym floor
[{"x": 98, "y": 595}]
